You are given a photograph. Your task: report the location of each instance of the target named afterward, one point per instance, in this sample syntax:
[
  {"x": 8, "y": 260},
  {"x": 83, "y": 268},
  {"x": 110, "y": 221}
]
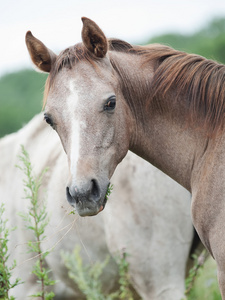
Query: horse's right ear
[{"x": 42, "y": 57}]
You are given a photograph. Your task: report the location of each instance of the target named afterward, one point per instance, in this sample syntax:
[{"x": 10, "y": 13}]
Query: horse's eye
[
  {"x": 110, "y": 104},
  {"x": 48, "y": 120}
]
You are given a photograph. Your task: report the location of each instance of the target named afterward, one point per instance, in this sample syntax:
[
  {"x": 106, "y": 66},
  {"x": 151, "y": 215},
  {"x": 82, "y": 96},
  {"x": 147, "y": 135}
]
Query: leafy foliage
[
  {"x": 36, "y": 220},
  {"x": 20, "y": 99},
  {"x": 208, "y": 42},
  {"x": 88, "y": 278},
  {"x": 109, "y": 191},
  {"x": 124, "y": 281},
  {"x": 205, "y": 286},
  {"x": 193, "y": 272},
  {"x": 5, "y": 271}
]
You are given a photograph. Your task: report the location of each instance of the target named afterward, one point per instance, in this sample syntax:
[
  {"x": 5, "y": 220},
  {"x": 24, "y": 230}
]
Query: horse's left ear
[{"x": 94, "y": 38}]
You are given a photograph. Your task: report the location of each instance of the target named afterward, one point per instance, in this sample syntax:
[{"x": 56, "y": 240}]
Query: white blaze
[{"x": 72, "y": 108}]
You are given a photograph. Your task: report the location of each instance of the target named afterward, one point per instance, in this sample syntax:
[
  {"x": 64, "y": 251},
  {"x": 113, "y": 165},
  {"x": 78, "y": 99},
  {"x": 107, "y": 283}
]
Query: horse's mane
[
  {"x": 199, "y": 79},
  {"x": 201, "y": 82}
]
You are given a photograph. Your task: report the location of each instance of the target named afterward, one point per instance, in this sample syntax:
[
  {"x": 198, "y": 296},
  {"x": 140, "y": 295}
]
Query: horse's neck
[
  {"x": 170, "y": 148},
  {"x": 163, "y": 139}
]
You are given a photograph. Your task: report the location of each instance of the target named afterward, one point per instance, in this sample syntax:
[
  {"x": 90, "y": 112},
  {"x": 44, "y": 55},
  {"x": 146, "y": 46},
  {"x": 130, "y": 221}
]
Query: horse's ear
[
  {"x": 94, "y": 38},
  {"x": 42, "y": 57}
]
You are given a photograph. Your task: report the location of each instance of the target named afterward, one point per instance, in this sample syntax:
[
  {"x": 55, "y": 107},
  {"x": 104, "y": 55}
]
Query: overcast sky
[{"x": 58, "y": 24}]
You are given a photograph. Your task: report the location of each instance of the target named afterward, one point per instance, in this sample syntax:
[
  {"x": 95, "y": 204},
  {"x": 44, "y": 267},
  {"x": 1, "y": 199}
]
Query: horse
[
  {"x": 148, "y": 220},
  {"x": 164, "y": 105}
]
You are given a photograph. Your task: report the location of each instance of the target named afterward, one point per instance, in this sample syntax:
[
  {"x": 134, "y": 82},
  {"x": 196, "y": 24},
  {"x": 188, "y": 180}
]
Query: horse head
[{"x": 85, "y": 105}]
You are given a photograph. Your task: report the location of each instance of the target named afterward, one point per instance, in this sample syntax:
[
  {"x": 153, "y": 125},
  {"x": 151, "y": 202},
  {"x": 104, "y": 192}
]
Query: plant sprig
[
  {"x": 109, "y": 191},
  {"x": 36, "y": 220},
  {"x": 88, "y": 277},
  {"x": 199, "y": 261},
  {"x": 5, "y": 271}
]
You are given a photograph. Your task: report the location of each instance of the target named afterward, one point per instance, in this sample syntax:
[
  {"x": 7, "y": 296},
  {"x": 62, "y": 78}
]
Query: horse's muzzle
[{"x": 88, "y": 200}]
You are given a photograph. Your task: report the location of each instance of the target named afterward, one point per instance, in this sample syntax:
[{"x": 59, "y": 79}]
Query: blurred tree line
[
  {"x": 21, "y": 92},
  {"x": 208, "y": 42},
  {"x": 20, "y": 99}
]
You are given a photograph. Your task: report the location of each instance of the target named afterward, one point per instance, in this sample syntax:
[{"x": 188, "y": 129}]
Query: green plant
[
  {"x": 16, "y": 90},
  {"x": 109, "y": 191},
  {"x": 88, "y": 278},
  {"x": 205, "y": 286},
  {"x": 5, "y": 271},
  {"x": 36, "y": 220},
  {"x": 202, "y": 283},
  {"x": 124, "y": 281},
  {"x": 199, "y": 261}
]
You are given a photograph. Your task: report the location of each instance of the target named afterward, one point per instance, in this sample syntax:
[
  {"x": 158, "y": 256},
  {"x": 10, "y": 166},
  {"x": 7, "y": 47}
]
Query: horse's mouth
[
  {"x": 89, "y": 210},
  {"x": 85, "y": 209},
  {"x": 103, "y": 204}
]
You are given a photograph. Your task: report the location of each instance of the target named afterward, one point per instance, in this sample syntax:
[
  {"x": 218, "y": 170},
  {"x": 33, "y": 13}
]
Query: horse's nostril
[
  {"x": 91, "y": 192},
  {"x": 68, "y": 192},
  {"x": 95, "y": 190},
  {"x": 70, "y": 198}
]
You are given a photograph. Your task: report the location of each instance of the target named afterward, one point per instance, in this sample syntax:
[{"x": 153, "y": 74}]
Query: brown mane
[{"x": 200, "y": 79}]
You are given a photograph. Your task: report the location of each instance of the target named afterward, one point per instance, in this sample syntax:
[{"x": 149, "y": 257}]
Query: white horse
[{"x": 147, "y": 215}]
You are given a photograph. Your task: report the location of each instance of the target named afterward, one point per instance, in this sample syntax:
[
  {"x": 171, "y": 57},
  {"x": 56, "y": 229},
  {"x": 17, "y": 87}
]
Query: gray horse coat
[{"x": 147, "y": 216}]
